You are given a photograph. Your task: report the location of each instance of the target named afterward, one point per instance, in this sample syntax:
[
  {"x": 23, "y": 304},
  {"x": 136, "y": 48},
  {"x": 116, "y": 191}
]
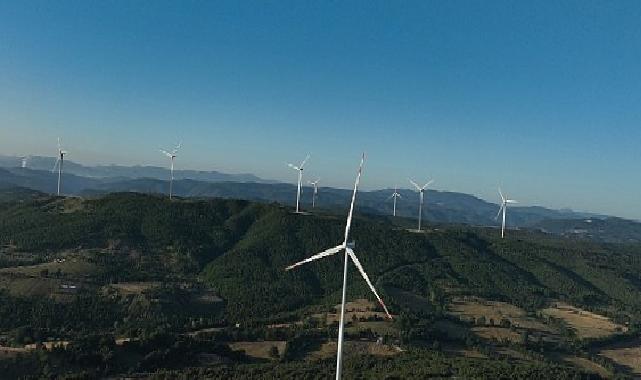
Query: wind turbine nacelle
[{"x": 351, "y": 244}]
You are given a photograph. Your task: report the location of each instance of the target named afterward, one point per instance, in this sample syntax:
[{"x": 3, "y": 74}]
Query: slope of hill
[
  {"x": 185, "y": 278},
  {"x": 443, "y": 207},
  {"x": 182, "y": 281},
  {"x": 607, "y": 230}
]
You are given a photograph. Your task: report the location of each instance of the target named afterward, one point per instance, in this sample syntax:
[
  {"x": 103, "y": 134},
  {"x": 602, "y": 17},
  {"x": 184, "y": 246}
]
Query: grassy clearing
[
  {"x": 497, "y": 334},
  {"x": 587, "y": 366},
  {"x": 459, "y": 350},
  {"x": 472, "y": 308},
  {"x": 31, "y": 286},
  {"x": 126, "y": 288},
  {"x": 353, "y": 348},
  {"x": 259, "y": 350},
  {"x": 380, "y": 328},
  {"x": 70, "y": 264},
  {"x": 359, "y": 308},
  {"x": 585, "y": 323},
  {"x": 626, "y": 356}
]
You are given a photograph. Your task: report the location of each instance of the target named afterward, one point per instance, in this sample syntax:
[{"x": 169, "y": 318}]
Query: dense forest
[{"x": 133, "y": 284}]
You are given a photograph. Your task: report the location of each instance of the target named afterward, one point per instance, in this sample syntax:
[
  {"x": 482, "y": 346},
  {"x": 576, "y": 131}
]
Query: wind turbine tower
[
  {"x": 315, "y": 193},
  {"x": 172, "y": 157},
  {"x": 300, "y": 180},
  {"x": 421, "y": 191},
  {"x": 395, "y": 195},
  {"x": 349, "y": 252},
  {"x": 503, "y": 209},
  {"x": 59, "y": 163}
]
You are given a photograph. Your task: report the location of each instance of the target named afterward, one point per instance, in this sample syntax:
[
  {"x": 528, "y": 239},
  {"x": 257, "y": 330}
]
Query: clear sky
[{"x": 541, "y": 96}]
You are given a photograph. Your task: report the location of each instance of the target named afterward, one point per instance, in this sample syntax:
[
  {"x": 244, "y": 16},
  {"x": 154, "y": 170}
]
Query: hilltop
[{"x": 442, "y": 206}]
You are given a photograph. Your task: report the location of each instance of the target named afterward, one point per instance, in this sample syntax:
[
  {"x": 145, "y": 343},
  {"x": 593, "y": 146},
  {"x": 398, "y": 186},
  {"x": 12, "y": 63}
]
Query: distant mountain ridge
[
  {"x": 442, "y": 206},
  {"x": 113, "y": 171}
]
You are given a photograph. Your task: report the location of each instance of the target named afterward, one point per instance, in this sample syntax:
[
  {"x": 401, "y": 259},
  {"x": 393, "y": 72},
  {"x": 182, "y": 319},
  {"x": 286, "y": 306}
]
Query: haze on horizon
[{"x": 543, "y": 98}]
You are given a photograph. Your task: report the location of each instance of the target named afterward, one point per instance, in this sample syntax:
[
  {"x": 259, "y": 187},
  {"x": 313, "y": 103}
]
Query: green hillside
[{"x": 183, "y": 282}]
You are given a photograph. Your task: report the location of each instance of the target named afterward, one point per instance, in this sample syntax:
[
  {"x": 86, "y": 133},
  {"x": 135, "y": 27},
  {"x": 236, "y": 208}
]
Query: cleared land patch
[
  {"x": 260, "y": 350},
  {"x": 587, "y": 366},
  {"x": 352, "y": 348},
  {"x": 470, "y": 309},
  {"x": 625, "y": 356},
  {"x": 585, "y": 323}
]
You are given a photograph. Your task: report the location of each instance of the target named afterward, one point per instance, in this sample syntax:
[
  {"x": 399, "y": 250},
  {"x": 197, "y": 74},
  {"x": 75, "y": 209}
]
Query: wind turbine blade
[
  {"x": 177, "y": 147},
  {"x": 511, "y": 201},
  {"x": 165, "y": 153},
  {"x": 501, "y": 194},
  {"x": 351, "y": 207},
  {"x": 326, "y": 253},
  {"x": 55, "y": 165},
  {"x": 415, "y": 185},
  {"x": 499, "y": 213},
  {"x": 427, "y": 184},
  {"x": 352, "y": 255},
  {"x": 304, "y": 161},
  {"x": 59, "y": 144},
  {"x": 293, "y": 166}
]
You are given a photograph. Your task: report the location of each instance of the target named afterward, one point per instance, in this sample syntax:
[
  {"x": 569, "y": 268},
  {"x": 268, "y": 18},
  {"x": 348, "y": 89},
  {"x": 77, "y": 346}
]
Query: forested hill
[
  {"x": 441, "y": 206},
  {"x": 195, "y": 288},
  {"x": 242, "y": 247}
]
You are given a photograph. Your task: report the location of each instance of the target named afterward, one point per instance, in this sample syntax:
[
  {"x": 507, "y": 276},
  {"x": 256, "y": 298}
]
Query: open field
[
  {"x": 498, "y": 334},
  {"x": 585, "y": 323},
  {"x": 354, "y": 348},
  {"x": 260, "y": 350},
  {"x": 69, "y": 264},
  {"x": 380, "y": 328},
  {"x": 460, "y": 350},
  {"x": 360, "y": 308},
  {"x": 471, "y": 308},
  {"x": 126, "y": 288},
  {"x": 30, "y": 286},
  {"x": 628, "y": 356},
  {"x": 588, "y": 366}
]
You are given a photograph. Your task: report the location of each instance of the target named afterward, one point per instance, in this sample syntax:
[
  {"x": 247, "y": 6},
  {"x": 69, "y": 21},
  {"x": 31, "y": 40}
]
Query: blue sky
[{"x": 543, "y": 97}]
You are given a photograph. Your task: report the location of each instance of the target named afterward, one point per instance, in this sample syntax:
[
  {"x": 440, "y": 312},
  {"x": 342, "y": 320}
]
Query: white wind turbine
[
  {"x": 23, "y": 161},
  {"x": 59, "y": 162},
  {"x": 315, "y": 194},
  {"x": 421, "y": 191},
  {"x": 172, "y": 156},
  {"x": 395, "y": 195},
  {"x": 503, "y": 208},
  {"x": 348, "y": 247},
  {"x": 300, "y": 179}
]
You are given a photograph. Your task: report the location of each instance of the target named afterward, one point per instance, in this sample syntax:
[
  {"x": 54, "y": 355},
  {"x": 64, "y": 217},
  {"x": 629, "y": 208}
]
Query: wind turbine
[
  {"x": 315, "y": 184},
  {"x": 172, "y": 156},
  {"x": 59, "y": 162},
  {"x": 300, "y": 179},
  {"x": 348, "y": 247},
  {"x": 421, "y": 191},
  {"x": 395, "y": 195},
  {"x": 503, "y": 208},
  {"x": 23, "y": 161}
]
